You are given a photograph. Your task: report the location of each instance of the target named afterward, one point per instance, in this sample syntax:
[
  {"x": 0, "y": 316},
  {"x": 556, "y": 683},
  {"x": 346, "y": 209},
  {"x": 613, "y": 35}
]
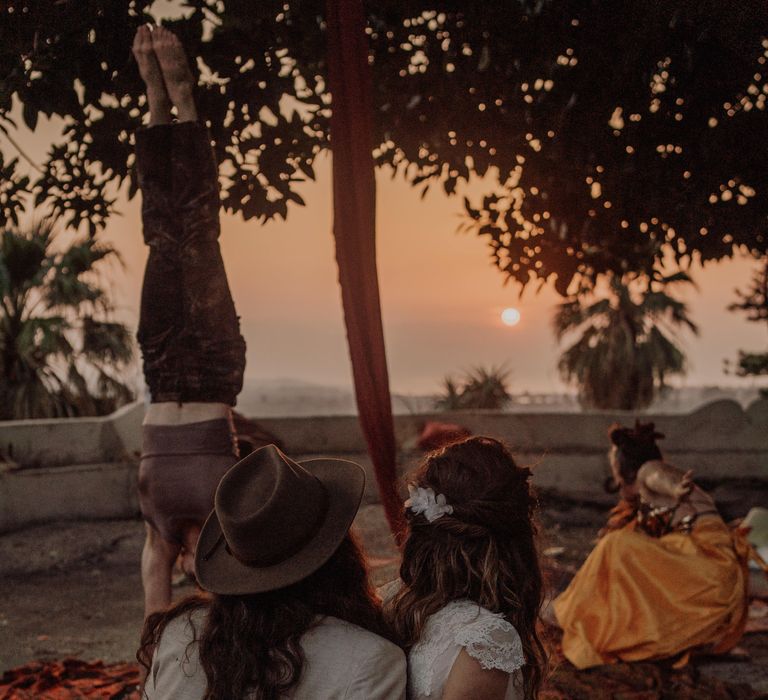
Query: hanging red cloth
[{"x": 354, "y": 227}]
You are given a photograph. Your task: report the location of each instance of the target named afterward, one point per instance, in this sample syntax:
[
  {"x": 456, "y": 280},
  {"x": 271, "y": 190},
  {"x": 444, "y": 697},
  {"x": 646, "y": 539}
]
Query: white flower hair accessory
[{"x": 424, "y": 500}]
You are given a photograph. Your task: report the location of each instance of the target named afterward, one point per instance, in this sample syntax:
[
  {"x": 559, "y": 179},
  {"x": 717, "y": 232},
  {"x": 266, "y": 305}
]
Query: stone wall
[{"x": 86, "y": 468}]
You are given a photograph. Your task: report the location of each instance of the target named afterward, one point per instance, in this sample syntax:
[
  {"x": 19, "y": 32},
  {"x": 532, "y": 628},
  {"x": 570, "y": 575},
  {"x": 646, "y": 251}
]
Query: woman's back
[
  {"x": 471, "y": 585},
  {"x": 283, "y": 571},
  {"x": 463, "y": 625},
  {"x": 342, "y": 660}
]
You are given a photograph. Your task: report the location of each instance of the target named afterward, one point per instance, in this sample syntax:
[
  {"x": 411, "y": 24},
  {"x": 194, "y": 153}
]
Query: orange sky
[{"x": 441, "y": 297}]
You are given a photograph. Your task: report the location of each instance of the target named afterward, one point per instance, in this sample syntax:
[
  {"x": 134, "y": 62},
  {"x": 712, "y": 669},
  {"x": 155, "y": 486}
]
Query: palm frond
[
  {"x": 660, "y": 306},
  {"x": 480, "y": 387},
  {"x": 83, "y": 401},
  {"x": 571, "y": 315},
  {"x": 52, "y": 363},
  {"x": 111, "y": 392},
  {"x": 41, "y": 339},
  {"x": 450, "y": 399},
  {"x": 105, "y": 341},
  {"x": 622, "y": 356},
  {"x": 24, "y": 259}
]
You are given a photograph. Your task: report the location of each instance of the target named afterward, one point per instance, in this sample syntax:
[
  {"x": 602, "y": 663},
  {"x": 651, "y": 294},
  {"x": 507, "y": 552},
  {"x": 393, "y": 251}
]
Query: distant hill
[{"x": 291, "y": 397}]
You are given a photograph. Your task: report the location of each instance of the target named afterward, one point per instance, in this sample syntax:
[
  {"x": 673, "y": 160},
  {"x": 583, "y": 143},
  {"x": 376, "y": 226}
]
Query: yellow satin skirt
[{"x": 641, "y": 598}]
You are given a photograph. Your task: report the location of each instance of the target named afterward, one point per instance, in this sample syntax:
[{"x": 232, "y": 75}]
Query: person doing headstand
[{"x": 194, "y": 355}]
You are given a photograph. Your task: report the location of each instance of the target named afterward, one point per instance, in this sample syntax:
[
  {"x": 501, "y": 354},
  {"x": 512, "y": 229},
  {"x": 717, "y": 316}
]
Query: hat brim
[{"x": 218, "y": 571}]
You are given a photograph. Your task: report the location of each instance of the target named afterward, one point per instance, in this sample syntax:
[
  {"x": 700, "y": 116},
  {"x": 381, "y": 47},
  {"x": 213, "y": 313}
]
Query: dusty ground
[{"x": 73, "y": 589}]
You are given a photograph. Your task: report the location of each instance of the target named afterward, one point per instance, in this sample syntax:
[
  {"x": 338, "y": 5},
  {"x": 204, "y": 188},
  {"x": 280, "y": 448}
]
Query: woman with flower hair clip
[{"x": 471, "y": 589}]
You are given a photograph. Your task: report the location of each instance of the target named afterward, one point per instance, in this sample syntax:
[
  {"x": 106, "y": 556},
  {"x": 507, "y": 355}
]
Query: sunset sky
[{"x": 442, "y": 299}]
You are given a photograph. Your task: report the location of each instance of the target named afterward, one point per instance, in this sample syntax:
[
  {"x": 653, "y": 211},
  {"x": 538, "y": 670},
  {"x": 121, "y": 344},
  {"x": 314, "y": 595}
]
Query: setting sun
[{"x": 510, "y": 317}]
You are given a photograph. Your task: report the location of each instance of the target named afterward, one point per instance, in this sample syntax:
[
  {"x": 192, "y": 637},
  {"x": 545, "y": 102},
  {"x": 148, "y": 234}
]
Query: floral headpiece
[{"x": 423, "y": 500}]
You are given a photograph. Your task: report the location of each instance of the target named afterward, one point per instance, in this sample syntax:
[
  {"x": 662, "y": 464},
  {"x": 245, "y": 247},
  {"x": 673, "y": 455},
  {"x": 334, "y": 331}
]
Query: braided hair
[{"x": 484, "y": 550}]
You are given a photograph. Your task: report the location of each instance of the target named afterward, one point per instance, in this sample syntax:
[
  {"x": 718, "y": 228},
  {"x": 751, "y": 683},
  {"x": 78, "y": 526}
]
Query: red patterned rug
[{"x": 72, "y": 679}]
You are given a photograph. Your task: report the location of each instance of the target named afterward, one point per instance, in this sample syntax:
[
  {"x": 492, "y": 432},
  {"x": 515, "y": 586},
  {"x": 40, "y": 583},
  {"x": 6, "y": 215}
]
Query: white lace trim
[
  {"x": 494, "y": 643},
  {"x": 486, "y": 636}
]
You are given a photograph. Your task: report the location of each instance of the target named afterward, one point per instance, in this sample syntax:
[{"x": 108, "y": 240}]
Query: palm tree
[
  {"x": 480, "y": 387},
  {"x": 450, "y": 399},
  {"x": 754, "y": 304},
  {"x": 627, "y": 345},
  {"x": 60, "y": 355}
]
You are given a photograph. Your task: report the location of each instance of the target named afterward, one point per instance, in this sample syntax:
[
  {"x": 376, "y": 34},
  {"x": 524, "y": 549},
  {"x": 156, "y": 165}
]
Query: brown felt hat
[{"x": 276, "y": 521}]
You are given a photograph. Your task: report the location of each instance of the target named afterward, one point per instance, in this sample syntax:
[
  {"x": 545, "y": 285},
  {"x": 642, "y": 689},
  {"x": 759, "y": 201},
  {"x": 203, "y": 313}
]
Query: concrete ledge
[
  {"x": 568, "y": 453},
  {"x": 722, "y": 427},
  {"x": 80, "y": 492},
  {"x": 54, "y": 442}
]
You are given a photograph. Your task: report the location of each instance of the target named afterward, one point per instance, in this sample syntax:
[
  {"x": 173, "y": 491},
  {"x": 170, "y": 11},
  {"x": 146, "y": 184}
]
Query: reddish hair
[{"x": 485, "y": 551}]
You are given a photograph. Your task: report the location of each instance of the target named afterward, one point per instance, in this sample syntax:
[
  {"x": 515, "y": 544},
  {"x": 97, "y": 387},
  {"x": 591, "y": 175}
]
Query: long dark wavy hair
[
  {"x": 485, "y": 551},
  {"x": 250, "y": 645}
]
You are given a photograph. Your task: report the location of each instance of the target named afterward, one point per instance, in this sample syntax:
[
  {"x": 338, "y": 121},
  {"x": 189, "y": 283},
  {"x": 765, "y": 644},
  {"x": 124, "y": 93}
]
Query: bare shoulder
[
  {"x": 655, "y": 467},
  {"x": 468, "y": 679}
]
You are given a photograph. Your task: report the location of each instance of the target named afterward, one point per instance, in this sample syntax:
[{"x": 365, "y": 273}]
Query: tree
[
  {"x": 754, "y": 304},
  {"x": 60, "y": 355},
  {"x": 480, "y": 387},
  {"x": 754, "y": 301},
  {"x": 626, "y": 347},
  {"x": 617, "y": 131}
]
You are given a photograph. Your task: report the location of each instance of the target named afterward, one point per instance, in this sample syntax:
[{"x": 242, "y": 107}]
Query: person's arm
[
  {"x": 665, "y": 480},
  {"x": 489, "y": 662},
  {"x": 468, "y": 680}
]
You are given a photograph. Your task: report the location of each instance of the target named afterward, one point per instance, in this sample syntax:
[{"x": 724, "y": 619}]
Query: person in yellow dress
[{"x": 668, "y": 576}]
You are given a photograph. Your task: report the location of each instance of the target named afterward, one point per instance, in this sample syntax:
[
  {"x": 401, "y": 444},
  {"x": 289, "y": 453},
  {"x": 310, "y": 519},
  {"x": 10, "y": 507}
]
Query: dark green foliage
[
  {"x": 58, "y": 354},
  {"x": 484, "y": 388},
  {"x": 754, "y": 303},
  {"x": 528, "y": 92},
  {"x": 752, "y": 363},
  {"x": 13, "y": 189},
  {"x": 626, "y": 346},
  {"x": 648, "y": 146}
]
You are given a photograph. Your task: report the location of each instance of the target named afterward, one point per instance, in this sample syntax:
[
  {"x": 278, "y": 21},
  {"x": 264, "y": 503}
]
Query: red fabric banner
[{"x": 354, "y": 226}]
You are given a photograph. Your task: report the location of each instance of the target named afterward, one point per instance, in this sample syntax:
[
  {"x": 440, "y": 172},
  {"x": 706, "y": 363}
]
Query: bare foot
[
  {"x": 149, "y": 69},
  {"x": 176, "y": 73}
]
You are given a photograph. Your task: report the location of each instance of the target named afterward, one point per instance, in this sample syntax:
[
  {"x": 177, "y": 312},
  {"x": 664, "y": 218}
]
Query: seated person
[
  {"x": 467, "y": 603},
  {"x": 667, "y": 577},
  {"x": 290, "y": 611}
]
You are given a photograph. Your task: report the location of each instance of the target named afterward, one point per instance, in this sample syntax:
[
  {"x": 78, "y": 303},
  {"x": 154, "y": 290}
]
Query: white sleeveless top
[{"x": 462, "y": 624}]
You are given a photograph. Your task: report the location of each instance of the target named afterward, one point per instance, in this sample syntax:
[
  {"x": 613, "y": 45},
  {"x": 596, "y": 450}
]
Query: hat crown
[{"x": 269, "y": 507}]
